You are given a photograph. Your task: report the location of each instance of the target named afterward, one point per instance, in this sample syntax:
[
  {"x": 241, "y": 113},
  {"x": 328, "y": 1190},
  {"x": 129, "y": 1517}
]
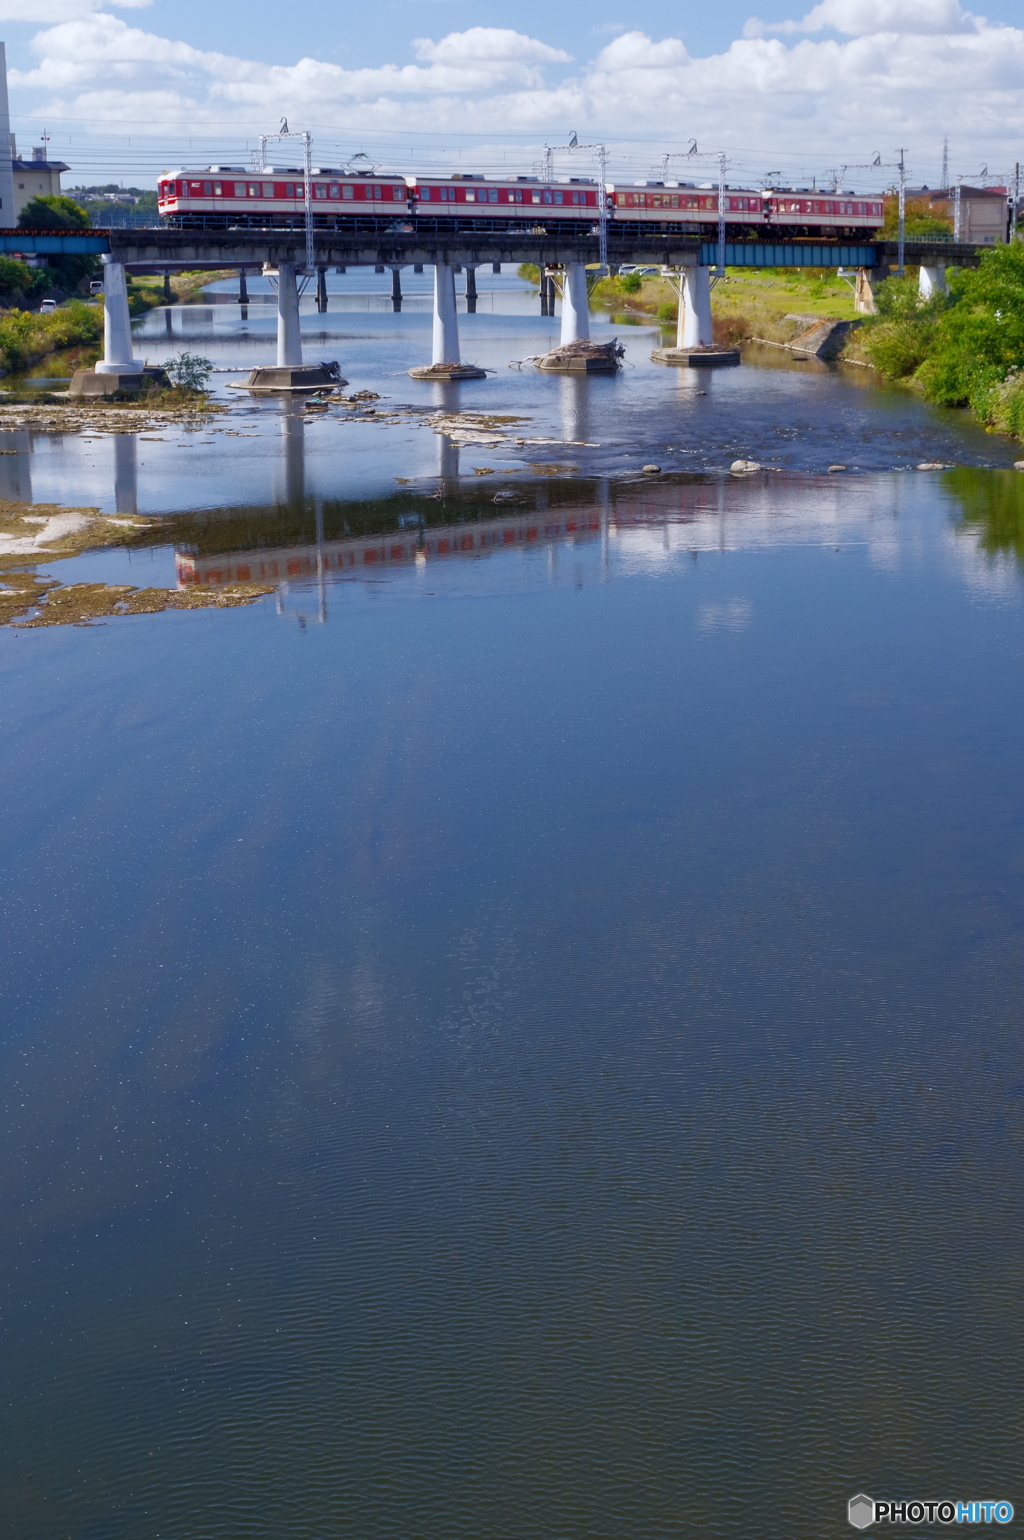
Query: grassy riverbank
[
  {"x": 27, "y": 337},
  {"x": 964, "y": 349},
  {"x": 745, "y": 305}
]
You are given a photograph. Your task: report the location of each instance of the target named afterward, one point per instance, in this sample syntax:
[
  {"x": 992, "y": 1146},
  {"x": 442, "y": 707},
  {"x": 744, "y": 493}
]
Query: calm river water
[{"x": 518, "y": 1035}]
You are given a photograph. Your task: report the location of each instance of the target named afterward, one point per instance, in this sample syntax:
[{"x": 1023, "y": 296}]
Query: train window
[
  {"x": 218, "y": 189},
  {"x": 346, "y": 191},
  {"x": 398, "y": 193},
  {"x": 208, "y": 189},
  {"x": 559, "y": 197},
  {"x": 620, "y": 199},
  {"x": 239, "y": 189},
  {"x": 378, "y": 192},
  {"x": 268, "y": 189},
  {"x": 535, "y": 197},
  {"x": 546, "y": 195},
  {"x": 321, "y": 190},
  {"x": 423, "y": 192},
  {"x": 492, "y": 195},
  {"x": 335, "y": 190},
  {"x": 470, "y": 195},
  {"x": 254, "y": 190}
]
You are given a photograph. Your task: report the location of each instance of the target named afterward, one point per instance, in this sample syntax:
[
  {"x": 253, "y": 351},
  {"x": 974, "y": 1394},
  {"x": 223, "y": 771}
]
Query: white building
[{"x": 34, "y": 178}]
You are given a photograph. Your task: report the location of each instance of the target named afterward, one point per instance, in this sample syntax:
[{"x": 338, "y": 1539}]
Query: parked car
[{"x": 47, "y": 306}]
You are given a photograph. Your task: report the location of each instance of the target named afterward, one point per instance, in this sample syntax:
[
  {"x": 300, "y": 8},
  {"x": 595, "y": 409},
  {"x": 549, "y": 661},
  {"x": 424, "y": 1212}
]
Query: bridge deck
[{"x": 156, "y": 248}]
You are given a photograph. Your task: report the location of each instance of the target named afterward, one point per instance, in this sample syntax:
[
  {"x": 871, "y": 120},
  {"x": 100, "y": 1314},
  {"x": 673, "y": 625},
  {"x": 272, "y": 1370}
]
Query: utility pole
[
  {"x": 602, "y": 194},
  {"x": 944, "y": 183},
  {"x": 307, "y": 170},
  {"x": 956, "y": 209},
  {"x": 694, "y": 154},
  {"x": 903, "y": 216},
  {"x": 1016, "y": 202}
]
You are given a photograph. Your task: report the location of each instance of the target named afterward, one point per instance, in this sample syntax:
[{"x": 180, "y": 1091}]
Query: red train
[{"x": 230, "y": 196}]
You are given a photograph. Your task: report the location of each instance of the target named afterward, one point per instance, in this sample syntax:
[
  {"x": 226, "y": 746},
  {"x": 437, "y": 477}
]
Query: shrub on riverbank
[
  {"x": 979, "y": 341},
  {"x": 26, "y": 336},
  {"x": 897, "y": 340}
]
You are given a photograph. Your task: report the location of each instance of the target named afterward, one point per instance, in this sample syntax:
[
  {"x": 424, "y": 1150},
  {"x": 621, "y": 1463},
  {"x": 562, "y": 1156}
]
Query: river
[{"x": 518, "y": 1033}]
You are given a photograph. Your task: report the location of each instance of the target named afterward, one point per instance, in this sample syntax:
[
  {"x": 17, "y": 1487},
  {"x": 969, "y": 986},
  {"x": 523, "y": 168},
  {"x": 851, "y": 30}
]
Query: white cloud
[
  {"x": 491, "y": 45},
  {"x": 867, "y": 18},
  {"x": 905, "y": 72}
]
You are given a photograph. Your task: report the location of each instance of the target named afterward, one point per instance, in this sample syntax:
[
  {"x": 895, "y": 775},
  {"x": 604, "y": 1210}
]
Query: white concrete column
[
  {"x": 693, "y": 329},
  {"x": 117, "y": 323},
  {"x": 864, "y": 293},
  {"x": 575, "y": 311},
  {"x": 931, "y": 281},
  {"x": 446, "y": 324},
  {"x": 289, "y": 337}
]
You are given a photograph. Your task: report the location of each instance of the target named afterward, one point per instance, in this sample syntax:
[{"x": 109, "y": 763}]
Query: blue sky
[{"x": 126, "y": 87}]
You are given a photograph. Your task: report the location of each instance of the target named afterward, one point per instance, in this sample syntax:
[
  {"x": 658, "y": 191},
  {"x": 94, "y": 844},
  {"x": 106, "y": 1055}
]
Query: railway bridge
[{"x": 289, "y": 252}]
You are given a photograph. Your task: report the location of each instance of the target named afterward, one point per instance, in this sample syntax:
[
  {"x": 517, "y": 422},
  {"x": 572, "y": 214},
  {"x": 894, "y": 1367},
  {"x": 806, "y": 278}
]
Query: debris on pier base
[
  {"x": 708, "y": 356},
  {"x": 583, "y": 358},
  {"x": 448, "y": 372},
  {"x": 277, "y": 379}
]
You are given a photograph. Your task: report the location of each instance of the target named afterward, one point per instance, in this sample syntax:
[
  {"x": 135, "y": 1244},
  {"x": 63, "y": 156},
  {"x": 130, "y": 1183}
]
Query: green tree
[
  {"x": 20, "y": 283},
  {"x": 979, "y": 340},
  {"x": 919, "y": 220},
  {"x": 55, "y": 211}
]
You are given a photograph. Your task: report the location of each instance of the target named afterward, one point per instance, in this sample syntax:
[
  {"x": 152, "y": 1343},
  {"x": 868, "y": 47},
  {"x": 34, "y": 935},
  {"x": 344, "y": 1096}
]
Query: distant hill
[{"x": 114, "y": 205}]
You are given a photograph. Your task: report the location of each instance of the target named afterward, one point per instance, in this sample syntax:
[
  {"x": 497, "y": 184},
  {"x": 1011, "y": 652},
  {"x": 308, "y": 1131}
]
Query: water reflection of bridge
[{"x": 375, "y": 553}]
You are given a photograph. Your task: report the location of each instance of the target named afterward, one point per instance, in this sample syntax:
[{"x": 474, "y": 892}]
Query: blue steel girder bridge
[{"x": 162, "y": 250}]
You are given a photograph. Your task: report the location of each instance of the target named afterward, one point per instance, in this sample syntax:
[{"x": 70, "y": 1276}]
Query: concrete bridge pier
[
  {"x": 547, "y": 292},
  {"x": 243, "y": 292},
  {"x": 321, "y": 290},
  {"x": 693, "y": 329},
  {"x": 575, "y": 310},
  {"x": 931, "y": 281},
  {"x": 117, "y": 323},
  {"x": 445, "y": 346},
  {"x": 471, "y": 295},
  {"x": 168, "y": 291},
  {"x": 289, "y": 337},
  {"x": 864, "y": 291},
  {"x": 445, "y": 358},
  {"x": 396, "y": 289}
]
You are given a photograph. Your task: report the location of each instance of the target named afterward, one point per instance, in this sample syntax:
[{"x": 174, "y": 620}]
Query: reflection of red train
[
  {"x": 301, "y": 563},
  {"x": 231, "y": 197}
]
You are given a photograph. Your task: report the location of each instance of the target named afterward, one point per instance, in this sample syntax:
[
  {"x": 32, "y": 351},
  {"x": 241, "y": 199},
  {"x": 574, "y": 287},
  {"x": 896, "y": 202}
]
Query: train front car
[
  {"x": 472, "y": 202},
  {"x": 226, "y": 197}
]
